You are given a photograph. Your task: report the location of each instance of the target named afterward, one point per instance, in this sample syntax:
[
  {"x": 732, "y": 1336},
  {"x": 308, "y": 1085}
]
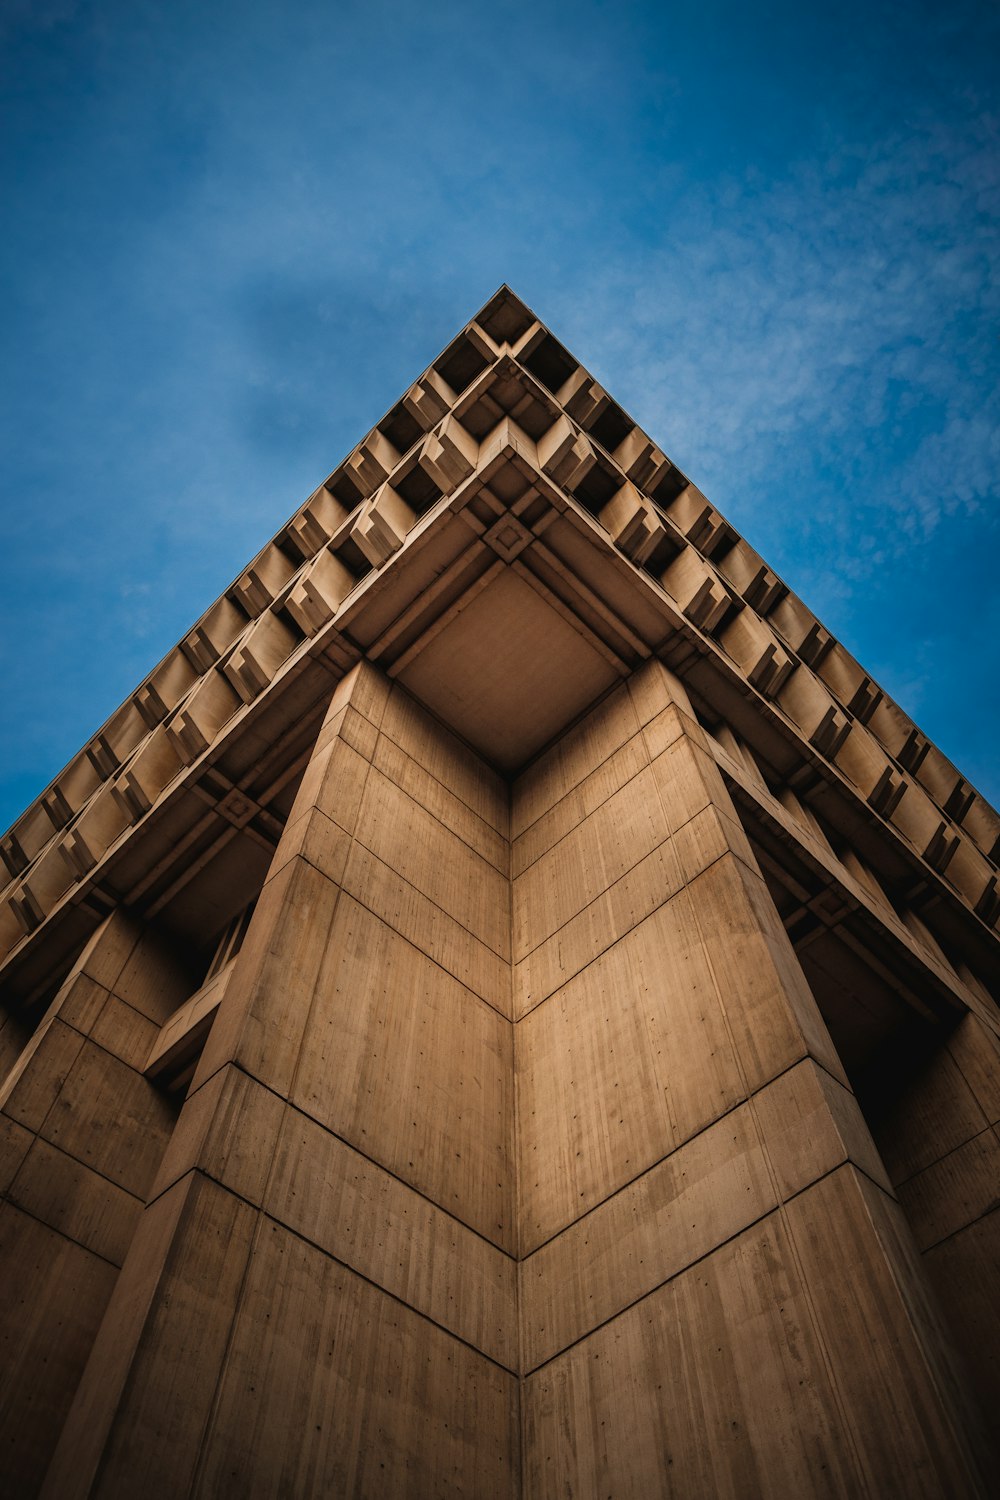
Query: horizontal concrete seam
[
  {"x": 429, "y": 956},
  {"x": 726, "y": 853},
  {"x": 313, "y": 866},
  {"x": 504, "y": 962},
  {"x": 691, "y": 729},
  {"x": 312, "y": 811},
  {"x": 330, "y": 731},
  {"x": 449, "y": 792},
  {"x": 9, "y": 1089},
  {"x": 501, "y": 833},
  {"x": 504, "y": 874},
  {"x": 412, "y": 1187},
  {"x": 723, "y": 999},
  {"x": 682, "y": 1270},
  {"x": 192, "y": 1092},
  {"x": 649, "y": 764},
  {"x": 619, "y": 937},
  {"x": 650, "y": 1292},
  {"x": 669, "y": 837},
  {"x": 157, "y": 1025},
  {"x": 58, "y": 1146},
  {"x": 624, "y": 1186},
  {"x": 69, "y": 1238},
  {"x": 450, "y": 1213},
  {"x": 298, "y": 1109},
  {"x": 582, "y": 819},
  {"x": 514, "y": 837},
  {"x": 640, "y": 733},
  {"x": 299, "y": 854},
  {"x": 83, "y": 973},
  {"x": 504, "y": 958},
  {"x": 688, "y": 1140},
  {"x": 848, "y": 1161},
  {"x": 385, "y": 1291},
  {"x": 56, "y": 1096},
  {"x": 753, "y": 868},
  {"x": 305, "y": 1239},
  {"x": 353, "y": 837},
  {"x": 844, "y": 1088},
  {"x": 952, "y": 1233},
  {"x": 990, "y": 1022},
  {"x": 275, "y": 869},
  {"x": 902, "y": 1182},
  {"x": 87, "y": 1037}
]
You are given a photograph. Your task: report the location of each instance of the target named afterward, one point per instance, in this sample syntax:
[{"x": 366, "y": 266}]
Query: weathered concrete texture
[
  {"x": 782, "y": 1363},
  {"x": 82, "y": 1133},
  {"x": 699, "y": 1193},
  {"x": 518, "y": 1161},
  {"x": 713, "y": 1385},
  {"x": 332, "y": 1387},
  {"x": 941, "y": 1142},
  {"x": 592, "y": 1073},
  {"x": 323, "y": 1299}
]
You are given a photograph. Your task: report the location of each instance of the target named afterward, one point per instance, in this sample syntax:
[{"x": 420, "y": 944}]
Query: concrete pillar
[
  {"x": 321, "y": 1297},
  {"x": 941, "y": 1144},
  {"x": 718, "y": 1293},
  {"x": 518, "y": 1161},
  {"x": 81, "y": 1137}
]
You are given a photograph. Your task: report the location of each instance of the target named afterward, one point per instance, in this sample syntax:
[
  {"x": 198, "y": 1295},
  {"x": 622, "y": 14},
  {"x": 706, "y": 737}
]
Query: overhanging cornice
[{"x": 506, "y": 459}]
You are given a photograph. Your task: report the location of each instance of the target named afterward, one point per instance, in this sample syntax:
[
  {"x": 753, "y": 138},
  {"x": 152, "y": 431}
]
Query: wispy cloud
[
  {"x": 238, "y": 233},
  {"x": 838, "y": 302}
]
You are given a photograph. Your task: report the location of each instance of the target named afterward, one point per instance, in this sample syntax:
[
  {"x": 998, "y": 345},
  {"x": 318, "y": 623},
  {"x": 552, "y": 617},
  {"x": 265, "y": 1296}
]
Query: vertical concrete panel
[
  {"x": 617, "y": 1069},
  {"x": 388, "y": 1204},
  {"x": 334, "y": 1303},
  {"x": 395, "y": 1237},
  {"x": 266, "y": 1005},
  {"x": 770, "y": 1010},
  {"x": 52, "y": 1297},
  {"x": 141, "y": 1407},
  {"x": 889, "y": 1358},
  {"x": 963, "y": 1272},
  {"x": 942, "y": 1148},
  {"x": 332, "y": 1387},
  {"x": 680, "y": 1085},
  {"x": 713, "y": 1386},
  {"x": 84, "y": 1134},
  {"x": 410, "y": 1067},
  {"x": 153, "y": 1440},
  {"x": 976, "y": 1050}
]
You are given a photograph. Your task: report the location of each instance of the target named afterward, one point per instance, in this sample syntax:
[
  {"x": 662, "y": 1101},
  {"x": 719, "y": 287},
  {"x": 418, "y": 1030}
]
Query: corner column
[
  {"x": 718, "y": 1292},
  {"x": 321, "y": 1294},
  {"x": 82, "y": 1133}
]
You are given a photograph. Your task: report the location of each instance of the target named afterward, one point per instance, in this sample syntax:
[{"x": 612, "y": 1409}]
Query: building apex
[{"x": 505, "y": 534}]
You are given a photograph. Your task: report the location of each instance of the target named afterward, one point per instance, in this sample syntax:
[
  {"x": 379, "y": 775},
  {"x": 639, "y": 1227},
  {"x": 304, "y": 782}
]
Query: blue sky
[{"x": 234, "y": 233}]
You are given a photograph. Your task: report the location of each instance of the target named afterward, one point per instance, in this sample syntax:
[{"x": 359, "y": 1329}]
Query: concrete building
[{"x": 503, "y": 1010}]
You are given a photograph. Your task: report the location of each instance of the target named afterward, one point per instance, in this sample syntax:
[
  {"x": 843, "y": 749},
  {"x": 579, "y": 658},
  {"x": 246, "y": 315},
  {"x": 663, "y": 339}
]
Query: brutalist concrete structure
[{"x": 503, "y": 1010}]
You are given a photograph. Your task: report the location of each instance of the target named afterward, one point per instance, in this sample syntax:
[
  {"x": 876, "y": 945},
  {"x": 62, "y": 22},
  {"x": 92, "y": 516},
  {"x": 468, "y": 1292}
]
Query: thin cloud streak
[{"x": 238, "y": 235}]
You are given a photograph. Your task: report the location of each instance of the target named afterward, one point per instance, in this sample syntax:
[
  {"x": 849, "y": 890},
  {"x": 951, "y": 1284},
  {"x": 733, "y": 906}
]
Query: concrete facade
[{"x": 506, "y": 1009}]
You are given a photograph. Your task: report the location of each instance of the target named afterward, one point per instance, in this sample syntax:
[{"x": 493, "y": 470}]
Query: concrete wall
[
  {"x": 518, "y": 1161},
  {"x": 719, "y": 1295},
  {"x": 940, "y": 1139},
  {"x": 322, "y": 1295},
  {"x": 81, "y": 1137}
]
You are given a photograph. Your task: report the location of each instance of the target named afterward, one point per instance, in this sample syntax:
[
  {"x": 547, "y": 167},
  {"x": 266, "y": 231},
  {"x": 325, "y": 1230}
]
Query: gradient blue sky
[{"x": 234, "y": 233}]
